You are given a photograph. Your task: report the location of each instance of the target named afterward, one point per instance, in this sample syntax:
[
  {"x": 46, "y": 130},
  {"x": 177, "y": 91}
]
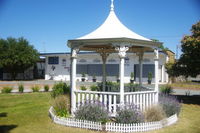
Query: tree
[
  {"x": 189, "y": 62},
  {"x": 17, "y": 55},
  {"x": 161, "y": 46}
]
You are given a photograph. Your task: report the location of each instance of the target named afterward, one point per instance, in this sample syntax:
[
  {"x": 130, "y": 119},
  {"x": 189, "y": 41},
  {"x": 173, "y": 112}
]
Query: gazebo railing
[
  {"x": 142, "y": 99},
  {"x": 111, "y": 100}
]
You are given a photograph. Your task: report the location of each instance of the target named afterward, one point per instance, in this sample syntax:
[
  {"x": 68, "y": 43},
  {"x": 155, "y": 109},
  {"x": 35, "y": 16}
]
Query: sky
[{"x": 48, "y": 24}]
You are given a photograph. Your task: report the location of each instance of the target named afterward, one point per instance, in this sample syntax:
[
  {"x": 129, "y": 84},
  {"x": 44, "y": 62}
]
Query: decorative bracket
[
  {"x": 74, "y": 52},
  {"x": 122, "y": 51},
  {"x": 156, "y": 55}
]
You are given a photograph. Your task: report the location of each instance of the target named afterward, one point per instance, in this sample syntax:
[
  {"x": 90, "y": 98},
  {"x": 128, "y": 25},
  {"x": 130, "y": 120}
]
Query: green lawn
[{"x": 28, "y": 113}]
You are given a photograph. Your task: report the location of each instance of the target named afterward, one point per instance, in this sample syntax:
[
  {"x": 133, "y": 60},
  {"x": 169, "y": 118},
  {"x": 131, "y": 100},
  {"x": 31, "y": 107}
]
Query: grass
[
  {"x": 28, "y": 113},
  {"x": 186, "y": 85}
]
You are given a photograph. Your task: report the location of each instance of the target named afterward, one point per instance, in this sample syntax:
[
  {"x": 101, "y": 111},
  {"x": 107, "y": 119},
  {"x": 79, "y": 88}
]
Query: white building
[{"x": 57, "y": 66}]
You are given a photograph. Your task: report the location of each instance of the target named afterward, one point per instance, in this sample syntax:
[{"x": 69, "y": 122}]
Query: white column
[
  {"x": 122, "y": 54},
  {"x": 166, "y": 74},
  {"x": 156, "y": 59},
  {"x": 73, "y": 79},
  {"x": 140, "y": 55},
  {"x": 163, "y": 73}
]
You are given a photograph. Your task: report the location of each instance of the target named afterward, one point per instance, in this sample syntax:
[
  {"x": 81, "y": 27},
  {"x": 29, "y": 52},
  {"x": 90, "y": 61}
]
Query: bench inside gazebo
[{"x": 111, "y": 37}]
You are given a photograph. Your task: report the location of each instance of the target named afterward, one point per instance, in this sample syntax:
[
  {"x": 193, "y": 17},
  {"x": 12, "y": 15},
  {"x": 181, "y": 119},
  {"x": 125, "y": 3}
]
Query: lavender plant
[
  {"x": 169, "y": 104},
  {"x": 129, "y": 114},
  {"x": 93, "y": 112}
]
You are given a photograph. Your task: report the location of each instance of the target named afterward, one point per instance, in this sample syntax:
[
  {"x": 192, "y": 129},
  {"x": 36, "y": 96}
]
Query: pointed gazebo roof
[
  {"x": 113, "y": 28},
  {"x": 112, "y": 31}
]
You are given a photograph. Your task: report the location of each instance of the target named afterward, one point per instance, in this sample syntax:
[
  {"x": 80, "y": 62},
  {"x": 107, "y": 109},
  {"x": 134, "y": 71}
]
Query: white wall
[{"x": 62, "y": 71}]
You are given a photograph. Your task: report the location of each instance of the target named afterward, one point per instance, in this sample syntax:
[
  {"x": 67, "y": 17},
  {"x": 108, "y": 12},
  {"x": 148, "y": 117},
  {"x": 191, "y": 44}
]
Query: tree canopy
[
  {"x": 162, "y": 47},
  {"x": 189, "y": 62},
  {"x": 17, "y": 55}
]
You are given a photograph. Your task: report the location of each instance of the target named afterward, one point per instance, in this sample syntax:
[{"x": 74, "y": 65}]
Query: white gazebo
[{"x": 113, "y": 36}]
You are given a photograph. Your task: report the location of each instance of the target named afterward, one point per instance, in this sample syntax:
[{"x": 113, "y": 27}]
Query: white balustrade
[
  {"x": 108, "y": 99},
  {"x": 111, "y": 100},
  {"x": 141, "y": 99}
]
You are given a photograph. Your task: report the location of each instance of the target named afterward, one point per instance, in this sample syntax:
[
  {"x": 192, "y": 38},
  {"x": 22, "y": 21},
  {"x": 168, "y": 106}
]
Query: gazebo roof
[
  {"x": 113, "y": 28},
  {"x": 110, "y": 32}
]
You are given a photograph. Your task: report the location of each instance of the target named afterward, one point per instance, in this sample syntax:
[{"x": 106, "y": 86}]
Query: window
[
  {"x": 96, "y": 60},
  {"x": 63, "y": 62},
  {"x": 53, "y": 60},
  {"x": 146, "y": 69},
  {"x": 82, "y": 60},
  {"x": 112, "y": 60},
  {"x": 96, "y": 69}
]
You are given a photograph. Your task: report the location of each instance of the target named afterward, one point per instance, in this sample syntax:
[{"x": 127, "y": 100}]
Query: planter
[
  {"x": 131, "y": 80},
  {"x": 149, "y": 81},
  {"x": 94, "y": 80},
  {"x": 83, "y": 79}
]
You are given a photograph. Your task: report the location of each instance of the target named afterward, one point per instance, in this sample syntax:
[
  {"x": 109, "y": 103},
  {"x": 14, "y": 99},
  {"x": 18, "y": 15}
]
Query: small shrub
[
  {"x": 166, "y": 89},
  {"x": 154, "y": 113},
  {"x": 83, "y": 75},
  {"x": 169, "y": 104},
  {"x": 21, "y": 88},
  {"x": 83, "y": 88},
  {"x": 60, "y": 89},
  {"x": 132, "y": 75},
  {"x": 94, "y": 88},
  {"x": 129, "y": 115},
  {"x": 6, "y": 90},
  {"x": 150, "y": 75},
  {"x": 92, "y": 112},
  {"x": 130, "y": 87},
  {"x": 35, "y": 88},
  {"x": 46, "y": 88},
  {"x": 61, "y": 104}
]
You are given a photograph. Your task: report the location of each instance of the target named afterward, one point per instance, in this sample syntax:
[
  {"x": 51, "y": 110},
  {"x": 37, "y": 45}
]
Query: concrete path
[
  {"x": 180, "y": 91},
  {"x": 28, "y": 84},
  {"x": 186, "y": 92}
]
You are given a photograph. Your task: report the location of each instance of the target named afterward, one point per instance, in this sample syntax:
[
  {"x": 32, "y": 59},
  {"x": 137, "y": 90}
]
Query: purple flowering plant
[
  {"x": 93, "y": 112},
  {"x": 170, "y": 104},
  {"x": 129, "y": 113}
]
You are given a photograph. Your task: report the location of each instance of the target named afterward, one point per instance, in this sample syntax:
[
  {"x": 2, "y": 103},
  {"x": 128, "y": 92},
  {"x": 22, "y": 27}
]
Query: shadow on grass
[
  {"x": 3, "y": 114},
  {"x": 7, "y": 128},
  {"x": 195, "y": 99}
]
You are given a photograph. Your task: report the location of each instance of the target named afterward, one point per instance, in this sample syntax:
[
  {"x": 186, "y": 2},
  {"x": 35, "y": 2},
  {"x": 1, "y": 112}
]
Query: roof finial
[{"x": 112, "y": 5}]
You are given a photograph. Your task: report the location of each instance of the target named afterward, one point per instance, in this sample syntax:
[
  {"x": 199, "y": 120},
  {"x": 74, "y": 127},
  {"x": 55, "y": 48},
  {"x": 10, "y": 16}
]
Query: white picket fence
[
  {"x": 113, "y": 127},
  {"x": 111, "y": 100},
  {"x": 74, "y": 122},
  {"x": 141, "y": 127}
]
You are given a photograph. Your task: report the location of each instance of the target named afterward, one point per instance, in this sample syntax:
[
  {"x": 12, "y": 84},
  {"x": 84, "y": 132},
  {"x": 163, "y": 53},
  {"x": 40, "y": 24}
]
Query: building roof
[
  {"x": 113, "y": 28},
  {"x": 68, "y": 53}
]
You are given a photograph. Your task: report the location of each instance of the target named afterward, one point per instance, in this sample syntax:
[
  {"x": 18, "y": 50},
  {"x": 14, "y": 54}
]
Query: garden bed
[{"x": 113, "y": 127}]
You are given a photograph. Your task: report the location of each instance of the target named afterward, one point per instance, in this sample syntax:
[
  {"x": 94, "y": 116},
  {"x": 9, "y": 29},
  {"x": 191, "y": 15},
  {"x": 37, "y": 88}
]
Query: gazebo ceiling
[{"x": 110, "y": 34}]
